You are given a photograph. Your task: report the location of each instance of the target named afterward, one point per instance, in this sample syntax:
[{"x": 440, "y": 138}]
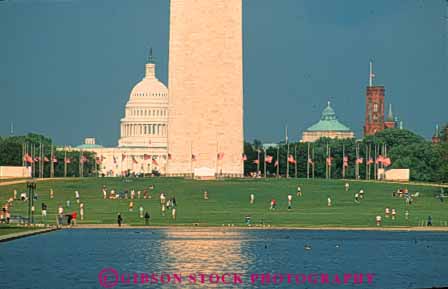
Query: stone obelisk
[{"x": 205, "y": 128}]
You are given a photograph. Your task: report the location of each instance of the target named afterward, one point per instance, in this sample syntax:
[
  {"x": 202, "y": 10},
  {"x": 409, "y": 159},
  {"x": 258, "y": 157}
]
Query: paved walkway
[
  {"x": 18, "y": 235},
  {"x": 6, "y": 183}
]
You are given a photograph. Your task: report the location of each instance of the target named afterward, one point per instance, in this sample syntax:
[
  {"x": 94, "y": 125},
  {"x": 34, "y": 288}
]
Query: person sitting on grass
[
  {"x": 357, "y": 198},
  {"x": 205, "y": 195},
  {"x": 361, "y": 194},
  {"x": 394, "y": 213}
]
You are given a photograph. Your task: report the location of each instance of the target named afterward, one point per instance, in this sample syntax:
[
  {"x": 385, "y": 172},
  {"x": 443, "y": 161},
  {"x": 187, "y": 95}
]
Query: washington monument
[{"x": 205, "y": 125}]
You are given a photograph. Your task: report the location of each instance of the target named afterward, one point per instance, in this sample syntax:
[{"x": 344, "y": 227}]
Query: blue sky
[{"x": 67, "y": 66}]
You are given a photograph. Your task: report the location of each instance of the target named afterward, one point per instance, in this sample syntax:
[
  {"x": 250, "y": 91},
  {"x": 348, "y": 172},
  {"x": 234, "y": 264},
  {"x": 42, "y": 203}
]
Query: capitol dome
[{"x": 146, "y": 114}]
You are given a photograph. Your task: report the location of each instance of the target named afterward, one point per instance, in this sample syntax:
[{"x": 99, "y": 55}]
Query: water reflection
[{"x": 203, "y": 252}]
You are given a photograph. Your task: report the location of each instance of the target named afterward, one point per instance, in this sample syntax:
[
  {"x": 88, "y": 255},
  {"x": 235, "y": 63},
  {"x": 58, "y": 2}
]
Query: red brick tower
[{"x": 374, "y": 118}]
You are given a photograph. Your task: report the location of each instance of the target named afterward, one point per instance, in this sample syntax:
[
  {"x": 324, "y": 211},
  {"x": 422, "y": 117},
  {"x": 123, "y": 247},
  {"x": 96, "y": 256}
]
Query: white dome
[
  {"x": 145, "y": 122},
  {"x": 150, "y": 88}
]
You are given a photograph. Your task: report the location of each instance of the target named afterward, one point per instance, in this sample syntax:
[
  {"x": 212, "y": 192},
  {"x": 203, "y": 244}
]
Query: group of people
[
  {"x": 169, "y": 204},
  {"x": 113, "y": 195}
]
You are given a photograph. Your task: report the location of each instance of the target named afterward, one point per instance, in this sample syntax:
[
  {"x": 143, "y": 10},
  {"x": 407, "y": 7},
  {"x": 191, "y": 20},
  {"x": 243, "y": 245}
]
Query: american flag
[
  {"x": 193, "y": 157},
  {"x": 98, "y": 161},
  {"x": 268, "y": 159},
  {"x": 46, "y": 160},
  {"x": 27, "y": 158},
  {"x": 387, "y": 162},
  {"x": 379, "y": 159},
  {"x": 256, "y": 162},
  {"x": 291, "y": 159},
  {"x": 359, "y": 161},
  {"x": 244, "y": 157},
  {"x": 154, "y": 162},
  {"x": 276, "y": 164},
  {"x": 54, "y": 160},
  {"x": 328, "y": 160},
  {"x": 134, "y": 160},
  {"x": 83, "y": 159},
  {"x": 123, "y": 157},
  {"x": 345, "y": 161},
  {"x": 310, "y": 161},
  {"x": 220, "y": 156},
  {"x": 67, "y": 160},
  {"x": 146, "y": 157},
  {"x": 169, "y": 156}
]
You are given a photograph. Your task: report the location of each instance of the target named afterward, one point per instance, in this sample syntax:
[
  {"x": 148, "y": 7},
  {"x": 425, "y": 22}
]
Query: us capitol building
[{"x": 143, "y": 142}]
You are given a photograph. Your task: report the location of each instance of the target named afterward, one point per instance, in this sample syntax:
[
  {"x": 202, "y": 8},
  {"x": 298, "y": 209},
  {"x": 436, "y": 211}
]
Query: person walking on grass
[
  {"x": 378, "y": 221},
  {"x": 44, "y": 212},
  {"x": 299, "y": 191},
  {"x": 131, "y": 206},
  {"x": 77, "y": 196},
  {"x": 205, "y": 195},
  {"x": 119, "y": 219},
  {"x": 141, "y": 211},
  {"x": 147, "y": 217},
  {"x": 252, "y": 199},
  {"x": 329, "y": 202},
  {"x": 273, "y": 204},
  {"x": 81, "y": 211},
  {"x": 347, "y": 186},
  {"x": 104, "y": 193},
  {"x": 289, "y": 202}
]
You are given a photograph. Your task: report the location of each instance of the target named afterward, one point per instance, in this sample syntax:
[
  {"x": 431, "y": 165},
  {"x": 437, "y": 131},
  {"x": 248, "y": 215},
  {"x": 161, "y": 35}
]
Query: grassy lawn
[
  {"x": 229, "y": 202},
  {"x": 9, "y": 229}
]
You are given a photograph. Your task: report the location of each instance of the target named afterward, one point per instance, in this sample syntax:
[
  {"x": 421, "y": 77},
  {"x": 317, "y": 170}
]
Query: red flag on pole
[
  {"x": 67, "y": 160},
  {"x": 54, "y": 160},
  {"x": 370, "y": 161},
  {"x": 268, "y": 159},
  {"x": 83, "y": 159},
  {"x": 256, "y": 162},
  {"x": 36, "y": 159},
  {"x": 146, "y": 157},
  {"x": 154, "y": 162},
  {"x": 379, "y": 159},
  {"x": 387, "y": 162},
  {"x": 46, "y": 160},
  {"x": 359, "y": 161},
  {"x": 310, "y": 161}
]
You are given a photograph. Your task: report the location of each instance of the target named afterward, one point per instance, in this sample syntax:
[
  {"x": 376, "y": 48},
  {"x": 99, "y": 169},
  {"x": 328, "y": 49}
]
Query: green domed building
[{"x": 328, "y": 126}]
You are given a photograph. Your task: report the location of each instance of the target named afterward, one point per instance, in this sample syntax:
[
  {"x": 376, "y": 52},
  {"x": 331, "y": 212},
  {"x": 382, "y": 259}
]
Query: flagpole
[
  {"x": 258, "y": 162},
  {"x": 287, "y": 154},
  {"x": 65, "y": 161},
  {"x": 343, "y": 161},
  {"x": 308, "y": 161},
  {"x": 51, "y": 162},
  {"x": 264, "y": 163},
  {"x": 278, "y": 161},
  {"x": 329, "y": 163},
  {"x": 313, "y": 164},
  {"x": 326, "y": 164},
  {"x": 375, "y": 164},
  {"x": 357, "y": 161},
  {"x": 191, "y": 158},
  {"x": 295, "y": 158}
]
